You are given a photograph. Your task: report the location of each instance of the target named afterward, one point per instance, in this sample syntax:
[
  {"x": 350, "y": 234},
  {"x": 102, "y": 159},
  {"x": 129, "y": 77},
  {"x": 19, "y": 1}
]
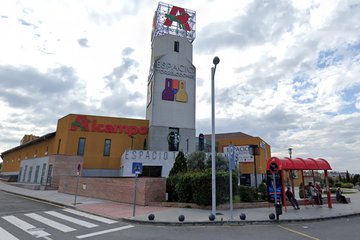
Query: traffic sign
[{"x": 136, "y": 168}]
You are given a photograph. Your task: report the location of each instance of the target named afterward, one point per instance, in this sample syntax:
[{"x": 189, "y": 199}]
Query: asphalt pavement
[{"x": 193, "y": 216}]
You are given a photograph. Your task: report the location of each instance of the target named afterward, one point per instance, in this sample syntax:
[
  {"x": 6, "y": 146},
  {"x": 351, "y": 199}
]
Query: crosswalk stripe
[
  {"x": 6, "y": 235},
  {"x": 90, "y": 216},
  {"x": 71, "y": 219},
  {"x": 27, "y": 227},
  {"x": 105, "y": 231},
  {"x": 51, "y": 223}
]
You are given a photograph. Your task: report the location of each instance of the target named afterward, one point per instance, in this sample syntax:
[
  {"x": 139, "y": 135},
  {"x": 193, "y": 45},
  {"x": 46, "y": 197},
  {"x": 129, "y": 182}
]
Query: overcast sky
[{"x": 289, "y": 71}]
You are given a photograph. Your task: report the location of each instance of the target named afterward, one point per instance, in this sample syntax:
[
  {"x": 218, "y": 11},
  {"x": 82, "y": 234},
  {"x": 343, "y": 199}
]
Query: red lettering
[
  {"x": 109, "y": 128},
  {"x": 120, "y": 128},
  {"x": 143, "y": 130},
  {"x": 131, "y": 130},
  {"x": 97, "y": 127},
  {"x": 83, "y": 123}
]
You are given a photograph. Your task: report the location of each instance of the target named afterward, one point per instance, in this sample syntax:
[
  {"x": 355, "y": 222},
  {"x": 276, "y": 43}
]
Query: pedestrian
[
  {"x": 312, "y": 193},
  {"x": 319, "y": 193},
  {"x": 339, "y": 197},
  {"x": 290, "y": 196}
]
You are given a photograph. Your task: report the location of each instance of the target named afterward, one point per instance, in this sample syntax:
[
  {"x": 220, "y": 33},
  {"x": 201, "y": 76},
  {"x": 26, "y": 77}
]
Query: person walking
[{"x": 290, "y": 196}]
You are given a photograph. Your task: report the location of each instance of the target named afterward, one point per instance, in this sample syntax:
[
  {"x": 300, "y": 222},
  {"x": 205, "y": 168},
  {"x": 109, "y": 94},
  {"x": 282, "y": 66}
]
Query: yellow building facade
[{"x": 100, "y": 140}]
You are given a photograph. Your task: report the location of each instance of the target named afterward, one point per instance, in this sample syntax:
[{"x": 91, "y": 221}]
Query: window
[
  {"x": 173, "y": 139},
  {"x": 151, "y": 171},
  {"x": 107, "y": 146},
  {"x": 81, "y": 147},
  {"x": 176, "y": 46}
]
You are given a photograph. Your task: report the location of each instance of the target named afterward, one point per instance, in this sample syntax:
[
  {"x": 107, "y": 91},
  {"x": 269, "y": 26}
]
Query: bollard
[
  {"x": 242, "y": 216},
  {"x": 272, "y": 216},
  {"x": 151, "y": 217},
  {"x": 212, "y": 217},
  {"x": 181, "y": 218}
]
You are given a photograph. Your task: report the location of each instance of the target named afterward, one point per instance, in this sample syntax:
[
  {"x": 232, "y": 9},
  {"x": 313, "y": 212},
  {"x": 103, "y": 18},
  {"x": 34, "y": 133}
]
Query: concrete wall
[{"x": 116, "y": 189}]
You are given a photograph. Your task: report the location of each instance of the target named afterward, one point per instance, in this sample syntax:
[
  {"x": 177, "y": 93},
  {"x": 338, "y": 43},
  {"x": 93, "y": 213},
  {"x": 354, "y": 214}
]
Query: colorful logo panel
[{"x": 175, "y": 90}]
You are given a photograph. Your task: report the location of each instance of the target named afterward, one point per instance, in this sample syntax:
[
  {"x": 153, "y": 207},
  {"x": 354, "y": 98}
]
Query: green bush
[
  {"x": 347, "y": 185},
  {"x": 170, "y": 188},
  {"x": 196, "y": 187},
  {"x": 184, "y": 188},
  {"x": 263, "y": 191},
  {"x": 247, "y": 194},
  {"x": 338, "y": 184}
]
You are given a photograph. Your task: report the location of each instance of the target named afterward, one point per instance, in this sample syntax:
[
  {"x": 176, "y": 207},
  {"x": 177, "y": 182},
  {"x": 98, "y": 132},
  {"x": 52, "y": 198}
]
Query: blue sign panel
[{"x": 136, "y": 168}]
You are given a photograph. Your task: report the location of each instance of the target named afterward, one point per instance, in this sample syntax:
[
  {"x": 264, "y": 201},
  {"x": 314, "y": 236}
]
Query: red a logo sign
[{"x": 181, "y": 18}]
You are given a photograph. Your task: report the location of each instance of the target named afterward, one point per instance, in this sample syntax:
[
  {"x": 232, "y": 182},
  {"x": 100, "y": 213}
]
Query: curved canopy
[{"x": 299, "y": 164}]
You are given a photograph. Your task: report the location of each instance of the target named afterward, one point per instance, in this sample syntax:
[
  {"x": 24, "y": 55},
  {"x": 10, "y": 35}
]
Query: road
[{"x": 23, "y": 219}]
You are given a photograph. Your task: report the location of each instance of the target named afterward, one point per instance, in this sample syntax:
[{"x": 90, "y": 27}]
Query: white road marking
[
  {"x": 104, "y": 232},
  {"x": 32, "y": 230},
  {"x": 71, "y": 219},
  {"x": 51, "y": 223},
  {"x": 6, "y": 235},
  {"x": 90, "y": 216}
]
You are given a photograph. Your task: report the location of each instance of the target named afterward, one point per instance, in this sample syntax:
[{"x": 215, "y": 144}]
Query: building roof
[
  {"x": 37, "y": 140},
  {"x": 229, "y": 135},
  {"x": 298, "y": 164}
]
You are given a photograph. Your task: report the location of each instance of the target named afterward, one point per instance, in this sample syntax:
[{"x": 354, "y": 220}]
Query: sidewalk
[{"x": 166, "y": 215}]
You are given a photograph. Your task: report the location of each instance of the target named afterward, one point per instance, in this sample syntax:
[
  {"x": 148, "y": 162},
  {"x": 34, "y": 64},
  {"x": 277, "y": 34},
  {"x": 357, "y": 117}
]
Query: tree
[
  {"x": 179, "y": 165},
  {"x": 221, "y": 162},
  {"x": 196, "y": 161},
  {"x": 348, "y": 178}
]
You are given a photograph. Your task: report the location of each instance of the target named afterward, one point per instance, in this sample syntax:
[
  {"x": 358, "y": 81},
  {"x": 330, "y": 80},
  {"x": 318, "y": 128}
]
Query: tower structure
[{"x": 172, "y": 81}]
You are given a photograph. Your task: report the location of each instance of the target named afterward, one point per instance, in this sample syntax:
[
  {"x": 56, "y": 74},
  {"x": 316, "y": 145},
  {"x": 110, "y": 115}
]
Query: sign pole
[
  {"x": 136, "y": 169},
  {"x": 77, "y": 181},
  {"x": 231, "y": 166},
  {"x": 135, "y": 190}
]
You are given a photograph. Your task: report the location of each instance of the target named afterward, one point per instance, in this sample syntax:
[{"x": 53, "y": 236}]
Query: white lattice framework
[{"x": 176, "y": 28}]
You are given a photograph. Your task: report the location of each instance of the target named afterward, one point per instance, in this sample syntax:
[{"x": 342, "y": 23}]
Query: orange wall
[
  {"x": 261, "y": 159},
  {"x": 11, "y": 160},
  {"x": 94, "y": 146}
]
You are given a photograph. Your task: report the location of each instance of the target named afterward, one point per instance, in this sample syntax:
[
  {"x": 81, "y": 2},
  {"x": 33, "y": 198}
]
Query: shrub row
[{"x": 195, "y": 187}]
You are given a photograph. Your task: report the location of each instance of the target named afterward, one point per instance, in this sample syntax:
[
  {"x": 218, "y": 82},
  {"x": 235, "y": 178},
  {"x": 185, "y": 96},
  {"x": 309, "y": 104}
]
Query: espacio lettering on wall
[
  {"x": 148, "y": 155},
  {"x": 87, "y": 125}
]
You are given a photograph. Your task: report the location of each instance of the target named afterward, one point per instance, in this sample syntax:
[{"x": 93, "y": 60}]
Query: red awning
[{"x": 299, "y": 164}]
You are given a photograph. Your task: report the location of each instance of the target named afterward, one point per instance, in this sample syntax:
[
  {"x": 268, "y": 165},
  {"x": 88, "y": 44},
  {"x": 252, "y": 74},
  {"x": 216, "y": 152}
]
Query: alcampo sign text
[{"x": 86, "y": 125}]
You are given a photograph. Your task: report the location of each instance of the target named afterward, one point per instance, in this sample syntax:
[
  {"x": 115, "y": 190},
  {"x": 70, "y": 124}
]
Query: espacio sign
[{"x": 83, "y": 123}]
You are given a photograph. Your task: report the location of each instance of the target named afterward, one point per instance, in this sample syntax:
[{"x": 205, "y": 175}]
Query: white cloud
[{"x": 289, "y": 71}]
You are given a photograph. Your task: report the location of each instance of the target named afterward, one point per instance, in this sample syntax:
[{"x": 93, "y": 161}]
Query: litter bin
[{"x": 278, "y": 210}]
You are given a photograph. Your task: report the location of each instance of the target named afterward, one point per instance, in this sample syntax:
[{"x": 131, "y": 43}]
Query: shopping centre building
[{"x": 104, "y": 146}]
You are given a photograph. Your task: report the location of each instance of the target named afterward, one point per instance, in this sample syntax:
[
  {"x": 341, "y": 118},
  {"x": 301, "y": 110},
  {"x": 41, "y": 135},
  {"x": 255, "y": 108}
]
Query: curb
[{"x": 234, "y": 222}]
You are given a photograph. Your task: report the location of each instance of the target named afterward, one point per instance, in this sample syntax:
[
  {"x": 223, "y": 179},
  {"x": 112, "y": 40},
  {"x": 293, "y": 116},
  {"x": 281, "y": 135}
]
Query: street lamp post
[
  {"x": 216, "y": 61},
  {"x": 291, "y": 171},
  {"x": 290, "y": 151},
  {"x": 255, "y": 151}
]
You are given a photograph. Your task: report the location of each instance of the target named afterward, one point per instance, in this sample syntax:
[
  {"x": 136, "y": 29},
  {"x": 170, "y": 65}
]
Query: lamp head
[{"x": 216, "y": 60}]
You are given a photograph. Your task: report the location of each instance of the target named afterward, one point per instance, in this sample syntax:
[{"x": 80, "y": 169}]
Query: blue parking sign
[{"x": 136, "y": 168}]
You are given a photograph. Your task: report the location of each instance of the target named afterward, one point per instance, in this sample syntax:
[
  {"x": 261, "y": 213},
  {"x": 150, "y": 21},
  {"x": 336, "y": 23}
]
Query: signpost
[
  {"x": 231, "y": 168},
  {"x": 136, "y": 169},
  {"x": 78, "y": 169}
]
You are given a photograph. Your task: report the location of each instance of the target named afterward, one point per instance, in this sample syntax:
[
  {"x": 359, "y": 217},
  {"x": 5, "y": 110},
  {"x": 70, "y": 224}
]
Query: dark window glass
[
  {"x": 107, "y": 146},
  {"x": 176, "y": 46},
  {"x": 81, "y": 147},
  {"x": 151, "y": 171}
]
